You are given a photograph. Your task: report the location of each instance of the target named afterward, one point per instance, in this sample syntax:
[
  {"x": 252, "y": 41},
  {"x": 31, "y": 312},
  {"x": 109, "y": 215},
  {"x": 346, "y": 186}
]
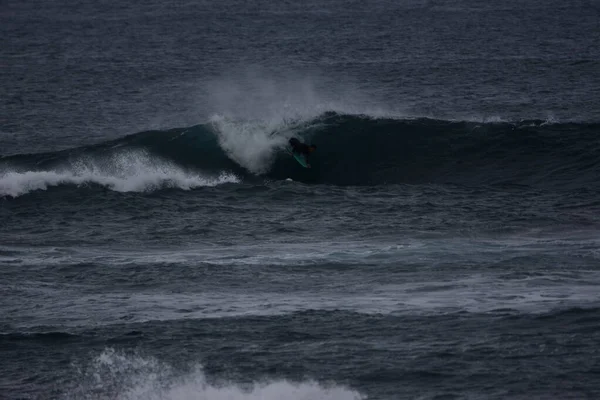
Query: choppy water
[{"x": 156, "y": 242}]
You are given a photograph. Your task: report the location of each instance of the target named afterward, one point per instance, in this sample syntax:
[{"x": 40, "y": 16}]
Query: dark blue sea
[{"x": 158, "y": 242}]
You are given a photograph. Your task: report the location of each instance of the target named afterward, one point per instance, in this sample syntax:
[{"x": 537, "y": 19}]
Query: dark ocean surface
[{"x": 157, "y": 242}]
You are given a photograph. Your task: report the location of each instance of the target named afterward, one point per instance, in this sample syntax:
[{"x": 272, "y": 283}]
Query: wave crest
[{"x": 125, "y": 171}]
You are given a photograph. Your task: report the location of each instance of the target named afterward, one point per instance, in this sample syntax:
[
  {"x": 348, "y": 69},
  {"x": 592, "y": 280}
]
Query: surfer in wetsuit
[{"x": 302, "y": 148}]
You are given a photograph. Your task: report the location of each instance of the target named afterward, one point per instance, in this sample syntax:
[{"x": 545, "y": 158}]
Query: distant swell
[
  {"x": 51, "y": 337},
  {"x": 352, "y": 150}
]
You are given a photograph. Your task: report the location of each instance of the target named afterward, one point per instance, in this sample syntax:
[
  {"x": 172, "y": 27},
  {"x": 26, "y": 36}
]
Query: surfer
[{"x": 302, "y": 148}]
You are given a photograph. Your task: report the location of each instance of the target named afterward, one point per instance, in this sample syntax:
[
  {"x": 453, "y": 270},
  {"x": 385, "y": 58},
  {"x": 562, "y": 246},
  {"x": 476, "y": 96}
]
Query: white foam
[
  {"x": 251, "y": 144},
  {"x": 127, "y": 171},
  {"x": 131, "y": 377}
]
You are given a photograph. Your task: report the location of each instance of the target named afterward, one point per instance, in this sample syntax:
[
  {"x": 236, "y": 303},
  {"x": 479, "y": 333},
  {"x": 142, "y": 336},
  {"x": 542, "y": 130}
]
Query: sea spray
[{"x": 118, "y": 375}]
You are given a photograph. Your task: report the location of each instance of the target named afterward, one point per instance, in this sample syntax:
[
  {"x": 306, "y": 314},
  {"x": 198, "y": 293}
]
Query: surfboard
[{"x": 300, "y": 158}]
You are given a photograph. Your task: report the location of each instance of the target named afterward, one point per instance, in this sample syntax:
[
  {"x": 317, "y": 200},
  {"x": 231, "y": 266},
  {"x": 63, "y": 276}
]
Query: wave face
[{"x": 352, "y": 150}]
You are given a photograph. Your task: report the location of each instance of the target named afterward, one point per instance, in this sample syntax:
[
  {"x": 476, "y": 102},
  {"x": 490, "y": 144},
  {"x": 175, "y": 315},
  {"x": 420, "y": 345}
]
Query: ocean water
[{"x": 157, "y": 242}]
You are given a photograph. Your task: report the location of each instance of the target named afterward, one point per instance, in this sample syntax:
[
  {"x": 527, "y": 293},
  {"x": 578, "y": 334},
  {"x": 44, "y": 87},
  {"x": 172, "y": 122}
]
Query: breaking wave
[
  {"x": 116, "y": 375},
  {"x": 122, "y": 171},
  {"x": 352, "y": 150}
]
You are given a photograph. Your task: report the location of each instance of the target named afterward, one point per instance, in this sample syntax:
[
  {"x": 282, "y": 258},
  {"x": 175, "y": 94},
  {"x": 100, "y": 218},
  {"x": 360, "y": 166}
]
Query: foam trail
[
  {"x": 122, "y": 172},
  {"x": 129, "y": 377}
]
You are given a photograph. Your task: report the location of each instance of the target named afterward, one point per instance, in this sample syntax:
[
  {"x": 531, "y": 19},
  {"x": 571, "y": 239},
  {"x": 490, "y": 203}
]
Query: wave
[
  {"x": 118, "y": 375},
  {"x": 352, "y": 150}
]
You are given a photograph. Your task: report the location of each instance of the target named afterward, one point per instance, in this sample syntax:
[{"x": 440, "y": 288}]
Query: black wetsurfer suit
[{"x": 301, "y": 148}]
